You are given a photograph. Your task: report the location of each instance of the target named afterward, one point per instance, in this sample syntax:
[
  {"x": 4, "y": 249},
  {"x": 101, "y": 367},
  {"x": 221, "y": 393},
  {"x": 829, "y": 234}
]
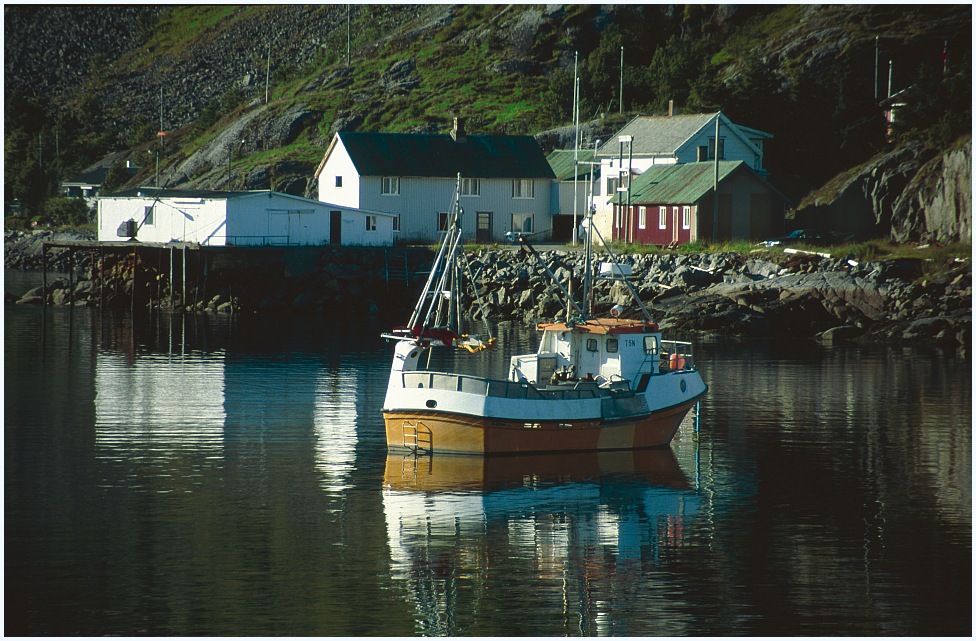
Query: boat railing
[
  {"x": 492, "y": 387},
  {"x": 677, "y": 356}
]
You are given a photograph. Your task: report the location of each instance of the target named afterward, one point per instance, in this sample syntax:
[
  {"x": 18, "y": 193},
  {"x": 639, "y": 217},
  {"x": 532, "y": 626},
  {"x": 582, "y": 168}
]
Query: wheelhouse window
[
  {"x": 612, "y": 345},
  {"x": 686, "y": 217},
  {"x": 370, "y": 223},
  {"x": 522, "y": 223},
  {"x": 523, "y": 188},
  {"x": 470, "y": 186},
  {"x": 650, "y": 345},
  {"x": 591, "y": 344},
  {"x": 391, "y": 186},
  {"x": 662, "y": 217}
]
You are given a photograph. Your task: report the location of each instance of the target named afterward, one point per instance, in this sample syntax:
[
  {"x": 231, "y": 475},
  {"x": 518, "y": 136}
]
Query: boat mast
[
  {"x": 587, "y": 268},
  {"x": 439, "y": 310}
]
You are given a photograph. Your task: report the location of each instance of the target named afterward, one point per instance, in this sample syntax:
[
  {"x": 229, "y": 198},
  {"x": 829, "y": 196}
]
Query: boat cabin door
[{"x": 588, "y": 357}]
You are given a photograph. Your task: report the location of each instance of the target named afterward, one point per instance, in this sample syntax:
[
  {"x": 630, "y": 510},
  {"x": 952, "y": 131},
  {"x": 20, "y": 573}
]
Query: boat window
[
  {"x": 650, "y": 344},
  {"x": 591, "y": 344},
  {"x": 612, "y": 345}
]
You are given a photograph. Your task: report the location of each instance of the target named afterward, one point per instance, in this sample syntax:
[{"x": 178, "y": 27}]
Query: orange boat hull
[{"x": 456, "y": 433}]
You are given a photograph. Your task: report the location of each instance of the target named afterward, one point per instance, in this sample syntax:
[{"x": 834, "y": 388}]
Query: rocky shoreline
[
  {"x": 766, "y": 295},
  {"x": 754, "y": 295}
]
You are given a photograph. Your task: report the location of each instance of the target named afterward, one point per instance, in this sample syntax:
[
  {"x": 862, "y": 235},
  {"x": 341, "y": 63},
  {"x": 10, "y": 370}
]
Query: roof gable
[
  {"x": 439, "y": 156},
  {"x": 657, "y": 135},
  {"x": 667, "y": 135}
]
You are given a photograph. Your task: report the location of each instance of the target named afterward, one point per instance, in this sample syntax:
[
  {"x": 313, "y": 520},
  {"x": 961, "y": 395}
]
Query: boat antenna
[
  {"x": 633, "y": 292},
  {"x": 523, "y": 240},
  {"x": 477, "y": 296}
]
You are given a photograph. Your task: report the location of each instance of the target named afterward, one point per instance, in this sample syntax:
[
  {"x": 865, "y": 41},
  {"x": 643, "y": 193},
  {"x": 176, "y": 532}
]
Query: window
[
  {"x": 591, "y": 344},
  {"x": 523, "y": 188},
  {"x": 391, "y": 186},
  {"x": 370, "y": 223},
  {"x": 612, "y": 185},
  {"x": 339, "y": 182},
  {"x": 721, "y": 148},
  {"x": 442, "y": 221},
  {"x": 662, "y": 217},
  {"x": 642, "y": 217},
  {"x": 650, "y": 345},
  {"x": 522, "y": 223},
  {"x": 470, "y": 186},
  {"x": 396, "y": 223},
  {"x": 612, "y": 345},
  {"x": 686, "y": 217},
  {"x": 149, "y": 216}
]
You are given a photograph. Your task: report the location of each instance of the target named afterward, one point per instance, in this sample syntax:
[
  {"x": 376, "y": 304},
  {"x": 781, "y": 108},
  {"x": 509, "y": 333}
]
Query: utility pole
[
  {"x": 576, "y": 88},
  {"x": 621, "y": 78},
  {"x": 718, "y": 118},
  {"x": 161, "y": 134},
  {"x": 267, "y": 76},
  {"x": 891, "y": 74}
]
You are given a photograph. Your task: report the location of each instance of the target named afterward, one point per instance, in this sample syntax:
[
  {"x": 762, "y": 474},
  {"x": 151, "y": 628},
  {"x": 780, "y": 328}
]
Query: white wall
[
  {"x": 254, "y": 220},
  {"x": 422, "y": 199},
  {"x": 278, "y": 219},
  {"x": 183, "y": 220},
  {"x": 339, "y": 163}
]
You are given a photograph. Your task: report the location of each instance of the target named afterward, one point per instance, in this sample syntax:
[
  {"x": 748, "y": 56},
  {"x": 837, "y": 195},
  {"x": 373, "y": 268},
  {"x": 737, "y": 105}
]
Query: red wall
[{"x": 652, "y": 234}]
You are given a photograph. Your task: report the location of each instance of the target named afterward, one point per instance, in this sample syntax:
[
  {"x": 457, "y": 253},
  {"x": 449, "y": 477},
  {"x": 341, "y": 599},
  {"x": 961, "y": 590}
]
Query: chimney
[
  {"x": 670, "y": 109},
  {"x": 458, "y": 132}
]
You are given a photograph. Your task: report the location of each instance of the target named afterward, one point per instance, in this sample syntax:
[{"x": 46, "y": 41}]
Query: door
[
  {"x": 335, "y": 228},
  {"x": 483, "y": 231}
]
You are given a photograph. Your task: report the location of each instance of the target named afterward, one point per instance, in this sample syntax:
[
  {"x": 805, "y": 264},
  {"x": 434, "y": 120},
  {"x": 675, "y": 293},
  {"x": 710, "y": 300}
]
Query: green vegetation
[{"x": 478, "y": 64}]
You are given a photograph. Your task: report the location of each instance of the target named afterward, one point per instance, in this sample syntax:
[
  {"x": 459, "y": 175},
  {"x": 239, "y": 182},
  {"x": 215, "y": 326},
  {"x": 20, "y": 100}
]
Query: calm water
[{"x": 214, "y": 477}]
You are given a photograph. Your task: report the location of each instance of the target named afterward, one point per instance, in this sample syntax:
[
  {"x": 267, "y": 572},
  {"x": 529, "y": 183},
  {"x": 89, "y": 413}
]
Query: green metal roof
[
  {"x": 439, "y": 156},
  {"x": 561, "y": 162},
  {"x": 681, "y": 184}
]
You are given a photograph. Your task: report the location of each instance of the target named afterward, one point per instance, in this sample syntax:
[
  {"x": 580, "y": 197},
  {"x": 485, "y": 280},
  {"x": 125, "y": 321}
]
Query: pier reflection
[{"x": 585, "y": 527}]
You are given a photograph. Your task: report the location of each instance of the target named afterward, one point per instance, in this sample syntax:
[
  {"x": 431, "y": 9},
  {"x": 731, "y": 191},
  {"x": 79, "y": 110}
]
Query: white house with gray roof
[
  {"x": 236, "y": 218},
  {"x": 506, "y": 183},
  {"x": 647, "y": 141}
]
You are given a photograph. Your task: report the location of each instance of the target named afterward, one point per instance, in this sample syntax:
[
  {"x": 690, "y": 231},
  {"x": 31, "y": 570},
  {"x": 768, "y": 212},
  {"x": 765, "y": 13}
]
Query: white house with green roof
[
  {"x": 236, "y": 218},
  {"x": 506, "y": 183}
]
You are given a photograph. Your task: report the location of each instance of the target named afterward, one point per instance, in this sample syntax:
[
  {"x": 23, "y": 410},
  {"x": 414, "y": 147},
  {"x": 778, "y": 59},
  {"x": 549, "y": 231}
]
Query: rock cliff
[{"x": 911, "y": 193}]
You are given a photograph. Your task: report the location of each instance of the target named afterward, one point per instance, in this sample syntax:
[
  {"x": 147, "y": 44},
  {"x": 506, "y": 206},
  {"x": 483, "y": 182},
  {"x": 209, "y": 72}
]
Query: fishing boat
[{"x": 593, "y": 384}]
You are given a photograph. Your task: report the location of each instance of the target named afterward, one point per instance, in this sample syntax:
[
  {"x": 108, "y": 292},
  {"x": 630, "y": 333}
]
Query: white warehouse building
[{"x": 237, "y": 219}]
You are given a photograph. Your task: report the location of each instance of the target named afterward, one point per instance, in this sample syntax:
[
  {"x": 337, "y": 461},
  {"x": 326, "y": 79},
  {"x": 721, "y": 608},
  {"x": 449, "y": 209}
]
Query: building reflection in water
[
  {"x": 585, "y": 525},
  {"x": 335, "y": 422},
  {"x": 150, "y": 405}
]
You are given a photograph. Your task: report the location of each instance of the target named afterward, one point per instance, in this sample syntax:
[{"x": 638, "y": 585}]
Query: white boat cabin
[{"x": 610, "y": 352}]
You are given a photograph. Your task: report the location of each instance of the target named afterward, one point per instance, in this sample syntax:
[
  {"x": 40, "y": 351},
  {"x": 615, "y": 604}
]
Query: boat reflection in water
[{"x": 586, "y": 525}]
